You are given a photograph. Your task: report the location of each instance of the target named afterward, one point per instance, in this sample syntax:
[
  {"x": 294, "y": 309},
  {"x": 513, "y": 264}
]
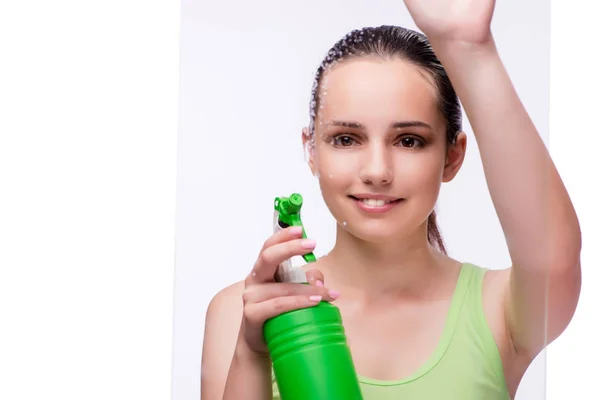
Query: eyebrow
[{"x": 397, "y": 125}]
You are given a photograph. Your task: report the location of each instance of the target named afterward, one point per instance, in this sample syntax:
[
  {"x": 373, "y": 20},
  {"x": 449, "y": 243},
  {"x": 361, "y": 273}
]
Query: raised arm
[{"x": 538, "y": 219}]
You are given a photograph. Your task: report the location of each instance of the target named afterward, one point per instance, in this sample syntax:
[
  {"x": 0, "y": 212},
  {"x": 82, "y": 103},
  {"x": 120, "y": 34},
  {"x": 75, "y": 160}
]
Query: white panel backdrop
[
  {"x": 246, "y": 74},
  {"x": 86, "y": 268}
]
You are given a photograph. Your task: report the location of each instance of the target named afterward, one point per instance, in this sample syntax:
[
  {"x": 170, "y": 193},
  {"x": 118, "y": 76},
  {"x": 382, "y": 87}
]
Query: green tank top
[{"x": 466, "y": 363}]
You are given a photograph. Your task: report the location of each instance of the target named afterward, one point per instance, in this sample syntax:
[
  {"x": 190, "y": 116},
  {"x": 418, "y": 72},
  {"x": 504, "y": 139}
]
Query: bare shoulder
[
  {"x": 222, "y": 323},
  {"x": 227, "y": 299},
  {"x": 495, "y": 289}
]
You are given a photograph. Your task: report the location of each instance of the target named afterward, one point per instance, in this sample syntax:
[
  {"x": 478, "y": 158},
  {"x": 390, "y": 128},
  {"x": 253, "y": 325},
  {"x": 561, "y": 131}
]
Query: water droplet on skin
[
  {"x": 344, "y": 223},
  {"x": 253, "y": 273}
]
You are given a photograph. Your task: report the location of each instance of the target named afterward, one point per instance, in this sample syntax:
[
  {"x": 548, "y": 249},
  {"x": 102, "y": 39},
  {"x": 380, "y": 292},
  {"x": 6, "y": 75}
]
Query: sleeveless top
[{"x": 466, "y": 363}]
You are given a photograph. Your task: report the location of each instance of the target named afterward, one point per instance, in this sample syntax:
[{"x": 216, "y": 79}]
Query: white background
[
  {"x": 246, "y": 80},
  {"x": 88, "y": 136}
]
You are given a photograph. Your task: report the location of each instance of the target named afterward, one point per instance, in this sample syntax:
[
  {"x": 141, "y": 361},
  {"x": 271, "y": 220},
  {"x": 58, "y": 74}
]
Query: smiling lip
[{"x": 375, "y": 203}]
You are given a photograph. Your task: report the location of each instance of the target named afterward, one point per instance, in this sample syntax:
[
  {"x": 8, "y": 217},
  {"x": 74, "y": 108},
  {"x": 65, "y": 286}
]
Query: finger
[
  {"x": 314, "y": 276},
  {"x": 282, "y": 236},
  {"x": 258, "y": 313},
  {"x": 270, "y": 258},
  {"x": 267, "y": 291},
  {"x": 289, "y": 233}
]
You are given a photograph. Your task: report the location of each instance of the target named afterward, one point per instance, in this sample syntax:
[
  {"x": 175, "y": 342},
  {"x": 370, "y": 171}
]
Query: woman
[{"x": 385, "y": 133}]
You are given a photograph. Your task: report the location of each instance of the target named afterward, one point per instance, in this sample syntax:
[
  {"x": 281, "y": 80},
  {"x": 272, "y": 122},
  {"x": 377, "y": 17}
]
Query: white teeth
[{"x": 374, "y": 202}]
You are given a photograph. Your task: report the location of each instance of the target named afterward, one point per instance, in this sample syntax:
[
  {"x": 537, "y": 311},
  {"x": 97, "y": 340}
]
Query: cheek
[
  {"x": 334, "y": 173},
  {"x": 332, "y": 166},
  {"x": 420, "y": 172}
]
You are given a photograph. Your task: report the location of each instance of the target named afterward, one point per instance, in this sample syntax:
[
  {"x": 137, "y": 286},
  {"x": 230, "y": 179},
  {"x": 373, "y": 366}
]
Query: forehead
[{"x": 374, "y": 89}]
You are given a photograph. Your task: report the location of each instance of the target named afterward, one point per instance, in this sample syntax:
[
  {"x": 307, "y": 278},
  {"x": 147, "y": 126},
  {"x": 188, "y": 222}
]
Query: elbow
[
  {"x": 566, "y": 256},
  {"x": 561, "y": 256},
  {"x": 563, "y": 242}
]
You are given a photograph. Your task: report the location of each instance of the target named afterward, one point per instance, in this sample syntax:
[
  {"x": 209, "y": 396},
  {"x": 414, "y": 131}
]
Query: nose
[{"x": 376, "y": 168}]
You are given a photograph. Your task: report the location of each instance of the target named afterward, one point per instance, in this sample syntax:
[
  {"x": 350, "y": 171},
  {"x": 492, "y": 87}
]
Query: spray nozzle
[
  {"x": 288, "y": 209},
  {"x": 289, "y": 205}
]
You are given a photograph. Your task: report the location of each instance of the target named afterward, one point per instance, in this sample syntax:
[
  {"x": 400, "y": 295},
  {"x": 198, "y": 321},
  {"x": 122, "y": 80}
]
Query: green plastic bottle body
[
  {"x": 308, "y": 348},
  {"x": 310, "y": 355}
]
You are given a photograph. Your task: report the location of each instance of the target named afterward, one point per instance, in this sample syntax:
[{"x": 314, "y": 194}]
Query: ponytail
[{"x": 433, "y": 233}]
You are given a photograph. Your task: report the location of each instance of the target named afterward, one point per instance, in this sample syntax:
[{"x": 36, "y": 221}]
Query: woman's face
[{"x": 380, "y": 150}]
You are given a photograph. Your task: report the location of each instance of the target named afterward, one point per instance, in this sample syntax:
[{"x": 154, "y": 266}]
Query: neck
[{"x": 399, "y": 268}]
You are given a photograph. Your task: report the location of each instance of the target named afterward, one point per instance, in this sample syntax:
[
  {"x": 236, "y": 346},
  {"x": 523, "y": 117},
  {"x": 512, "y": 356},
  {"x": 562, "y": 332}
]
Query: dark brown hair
[{"x": 389, "y": 42}]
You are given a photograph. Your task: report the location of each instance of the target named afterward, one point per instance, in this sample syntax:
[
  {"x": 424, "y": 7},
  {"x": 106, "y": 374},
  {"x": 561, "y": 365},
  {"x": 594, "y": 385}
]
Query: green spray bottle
[{"x": 310, "y": 355}]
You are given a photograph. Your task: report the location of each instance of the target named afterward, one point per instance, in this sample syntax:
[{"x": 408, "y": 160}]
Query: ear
[
  {"x": 308, "y": 149},
  {"x": 455, "y": 157}
]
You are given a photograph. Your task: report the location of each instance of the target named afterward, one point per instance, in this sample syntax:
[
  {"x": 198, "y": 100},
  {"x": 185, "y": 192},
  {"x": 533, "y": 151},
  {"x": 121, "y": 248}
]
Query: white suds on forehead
[{"x": 350, "y": 45}]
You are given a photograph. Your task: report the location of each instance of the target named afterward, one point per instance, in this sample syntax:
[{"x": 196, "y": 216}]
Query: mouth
[{"x": 377, "y": 203}]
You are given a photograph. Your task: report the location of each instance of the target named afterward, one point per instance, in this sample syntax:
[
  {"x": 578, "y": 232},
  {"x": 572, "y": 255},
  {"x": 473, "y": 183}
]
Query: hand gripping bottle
[{"x": 308, "y": 348}]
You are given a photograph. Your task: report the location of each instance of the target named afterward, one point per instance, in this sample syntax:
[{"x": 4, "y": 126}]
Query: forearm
[
  {"x": 249, "y": 376},
  {"x": 533, "y": 207}
]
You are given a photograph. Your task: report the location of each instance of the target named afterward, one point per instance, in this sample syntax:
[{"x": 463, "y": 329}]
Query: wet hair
[{"x": 389, "y": 42}]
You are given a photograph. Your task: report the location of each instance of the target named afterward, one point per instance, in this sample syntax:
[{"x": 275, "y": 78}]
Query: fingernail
[
  {"x": 315, "y": 298},
  {"x": 319, "y": 283},
  {"x": 334, "y": 294},
  {"x": 296, "y": 230},
  {"x": 309, "y": 243}
]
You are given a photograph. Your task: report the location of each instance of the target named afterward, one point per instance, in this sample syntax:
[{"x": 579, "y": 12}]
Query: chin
[{"x": 374, "y": 231}]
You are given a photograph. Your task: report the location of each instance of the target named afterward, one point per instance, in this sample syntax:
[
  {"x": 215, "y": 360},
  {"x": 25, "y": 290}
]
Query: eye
[
  {"x": 343, "y": 141},
  {"x": 411, "y": 142}
]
